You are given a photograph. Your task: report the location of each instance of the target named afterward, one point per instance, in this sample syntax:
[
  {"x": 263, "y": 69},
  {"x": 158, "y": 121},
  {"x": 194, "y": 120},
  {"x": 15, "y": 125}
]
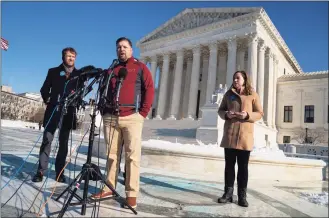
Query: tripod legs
[
  {"x": 68, "y": 188},
  {"x": 62, "y": 212},
  {"x": 84, "y": 174}
]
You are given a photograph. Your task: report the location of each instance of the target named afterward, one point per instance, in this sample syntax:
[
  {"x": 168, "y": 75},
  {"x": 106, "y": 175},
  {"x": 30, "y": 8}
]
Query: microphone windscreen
[
  {"x": 122, "y": 73},
  {"x": 87, "y": 68}
]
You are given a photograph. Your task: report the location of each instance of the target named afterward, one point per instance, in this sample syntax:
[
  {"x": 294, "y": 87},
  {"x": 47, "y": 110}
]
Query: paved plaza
[{"x": 163, "y": 194}]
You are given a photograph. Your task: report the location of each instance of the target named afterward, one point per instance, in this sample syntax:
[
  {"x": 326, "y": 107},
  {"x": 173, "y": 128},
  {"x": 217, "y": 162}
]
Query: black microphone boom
[{"x": 114, "y": 63}]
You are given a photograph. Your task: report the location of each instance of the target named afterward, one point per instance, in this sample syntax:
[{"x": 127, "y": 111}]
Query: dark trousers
[
  {"x": 231, "y": 155},
  {"x": 45, "y": 149}
]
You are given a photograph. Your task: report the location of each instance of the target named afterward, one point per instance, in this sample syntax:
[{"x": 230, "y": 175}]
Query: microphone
[
  {"x": 88, "y": 72},
  {"x": 92, "y": 73},
  {"x": 122, "y": 75},
  {"x": 106, "y": 83}
]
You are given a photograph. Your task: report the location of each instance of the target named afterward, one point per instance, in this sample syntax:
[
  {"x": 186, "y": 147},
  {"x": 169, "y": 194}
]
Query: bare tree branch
[{"x": 313, "y": 137}]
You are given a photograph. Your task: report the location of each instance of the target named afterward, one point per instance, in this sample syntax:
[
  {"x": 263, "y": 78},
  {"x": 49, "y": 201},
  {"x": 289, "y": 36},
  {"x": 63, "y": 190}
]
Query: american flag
[{"x": 4, "y": 44}]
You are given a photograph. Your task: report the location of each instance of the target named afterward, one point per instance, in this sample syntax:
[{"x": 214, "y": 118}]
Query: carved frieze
[
  {"x": 192, "y": 20},
  {"x": 225, "y": 35}
]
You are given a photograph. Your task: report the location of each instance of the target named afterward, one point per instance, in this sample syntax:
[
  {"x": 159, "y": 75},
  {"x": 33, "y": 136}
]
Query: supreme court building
[{"x": 198, "y": 50}]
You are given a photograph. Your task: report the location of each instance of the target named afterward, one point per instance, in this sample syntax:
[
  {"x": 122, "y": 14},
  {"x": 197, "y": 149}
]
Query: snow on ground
[
  {"x": 208, "y": 149},
  {"x": 199, "y": 148},
  {"x": 316, "y": 198},
  {"x": 19, "y": 124}
]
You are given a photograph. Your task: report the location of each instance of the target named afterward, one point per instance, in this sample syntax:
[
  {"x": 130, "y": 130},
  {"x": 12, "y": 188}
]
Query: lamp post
[{"x": 306, "y": 138}]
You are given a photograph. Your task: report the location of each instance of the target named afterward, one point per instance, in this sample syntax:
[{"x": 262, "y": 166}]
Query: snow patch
[{"x": 316, "y": 198}]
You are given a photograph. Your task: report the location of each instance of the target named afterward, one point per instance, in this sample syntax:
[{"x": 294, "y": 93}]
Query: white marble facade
[
  {"x": 299, "y": 91},
  {"x": 199, "y": 49}
]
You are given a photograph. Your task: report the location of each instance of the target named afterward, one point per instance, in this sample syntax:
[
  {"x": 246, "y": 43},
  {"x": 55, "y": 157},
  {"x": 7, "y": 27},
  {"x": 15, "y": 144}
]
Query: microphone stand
[{"x": 87, "y": 169}]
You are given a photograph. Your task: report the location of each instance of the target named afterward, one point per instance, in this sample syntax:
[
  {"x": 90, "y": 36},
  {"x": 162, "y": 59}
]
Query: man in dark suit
[{"x": 56, "y": 85}]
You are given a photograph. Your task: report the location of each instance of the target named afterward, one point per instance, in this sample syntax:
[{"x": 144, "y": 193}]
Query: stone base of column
[
  {"x": 171, "y": 117},
  {"x": 261, "y": 122},
  {"x": 274, "y": 127},
  {"x": 189, "y": 117},
  {"x": 158, "y": 117}
]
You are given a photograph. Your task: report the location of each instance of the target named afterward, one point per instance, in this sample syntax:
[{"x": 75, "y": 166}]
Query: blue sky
[{"x": 38, "y": 31}]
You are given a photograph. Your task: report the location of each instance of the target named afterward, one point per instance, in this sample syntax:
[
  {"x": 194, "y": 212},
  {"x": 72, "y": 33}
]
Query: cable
[
  {"x": 54, "y": 151},
  {"x": 36, "y": 142},
  {"x": 43, "y": 205},
  {"x": 59, "y": 132},
  {"x": 55, "y": 184},
  {"x": 45, "y": 182},
  {"x": 17, "y": 171}
]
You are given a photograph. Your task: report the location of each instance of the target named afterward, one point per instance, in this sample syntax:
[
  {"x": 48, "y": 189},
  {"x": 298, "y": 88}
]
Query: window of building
[
  {"x": 284, "y": 71},
  {"x": 287, "y": 118},
  {"x": 309, "y": 114},
  {"x": 286, "y": 139}
]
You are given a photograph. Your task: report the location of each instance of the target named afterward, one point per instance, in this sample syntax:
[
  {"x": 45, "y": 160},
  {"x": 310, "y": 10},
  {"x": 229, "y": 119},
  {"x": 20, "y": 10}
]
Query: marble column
[
  {"x": 193, "y": 93},
  {"x": 275, "y": 73},
  {"x": 222, "y": 66},
  {"x": 163, "y": 87},
  {"x": 241, "y": 50},
  {"x": 260, "y": 74},
  {"x": 187, "y": 82},
  {"x": 321, "y": 108},
  {"x": 252, "y": 59},
  {"x": 269, "y": 83},
  {"x": 240, "y": 60},
  {"x": 212, "y": 68},
  {"x": 300, "y": 120},
  {"x": 204, "y": 76},
  {"x": 175, "y": 101},
  {"x": 231, "y": 60},
  {"x": 154, "y": 66},
  {"x": 325, "y": 107}
]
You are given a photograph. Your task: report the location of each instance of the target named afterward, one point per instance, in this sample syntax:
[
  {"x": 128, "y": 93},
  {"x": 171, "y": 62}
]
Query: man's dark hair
[
  {"x": 123, "y": 39},
  {"x": 72, "y": 50}
]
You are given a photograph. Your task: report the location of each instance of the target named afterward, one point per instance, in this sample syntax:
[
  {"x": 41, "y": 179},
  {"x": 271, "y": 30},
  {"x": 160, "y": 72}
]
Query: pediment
[{"x": 193, "y": 18}]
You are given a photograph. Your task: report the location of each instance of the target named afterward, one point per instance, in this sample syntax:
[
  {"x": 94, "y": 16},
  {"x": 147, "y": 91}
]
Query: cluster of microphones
[{"x": 90, "y": 71}]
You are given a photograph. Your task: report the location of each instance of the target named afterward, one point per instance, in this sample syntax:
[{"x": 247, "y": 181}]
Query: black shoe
[
  {"x": 38, "y": 177},
  {"x": 61, "y": 178},
  {"x": 242, "y": 197},
  {"x": 227, "y": 196}
]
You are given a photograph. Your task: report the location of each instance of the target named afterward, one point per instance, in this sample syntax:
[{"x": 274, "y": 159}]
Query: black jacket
[{"x": 52, "y": 91}]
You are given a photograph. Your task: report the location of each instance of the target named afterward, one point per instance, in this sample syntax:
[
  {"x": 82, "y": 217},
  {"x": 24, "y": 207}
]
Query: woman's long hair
[{"x": 247, "y": 84}]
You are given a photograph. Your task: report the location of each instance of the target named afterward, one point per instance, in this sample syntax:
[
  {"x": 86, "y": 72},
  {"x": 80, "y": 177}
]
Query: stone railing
[{"x": 319, "y": 151}]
